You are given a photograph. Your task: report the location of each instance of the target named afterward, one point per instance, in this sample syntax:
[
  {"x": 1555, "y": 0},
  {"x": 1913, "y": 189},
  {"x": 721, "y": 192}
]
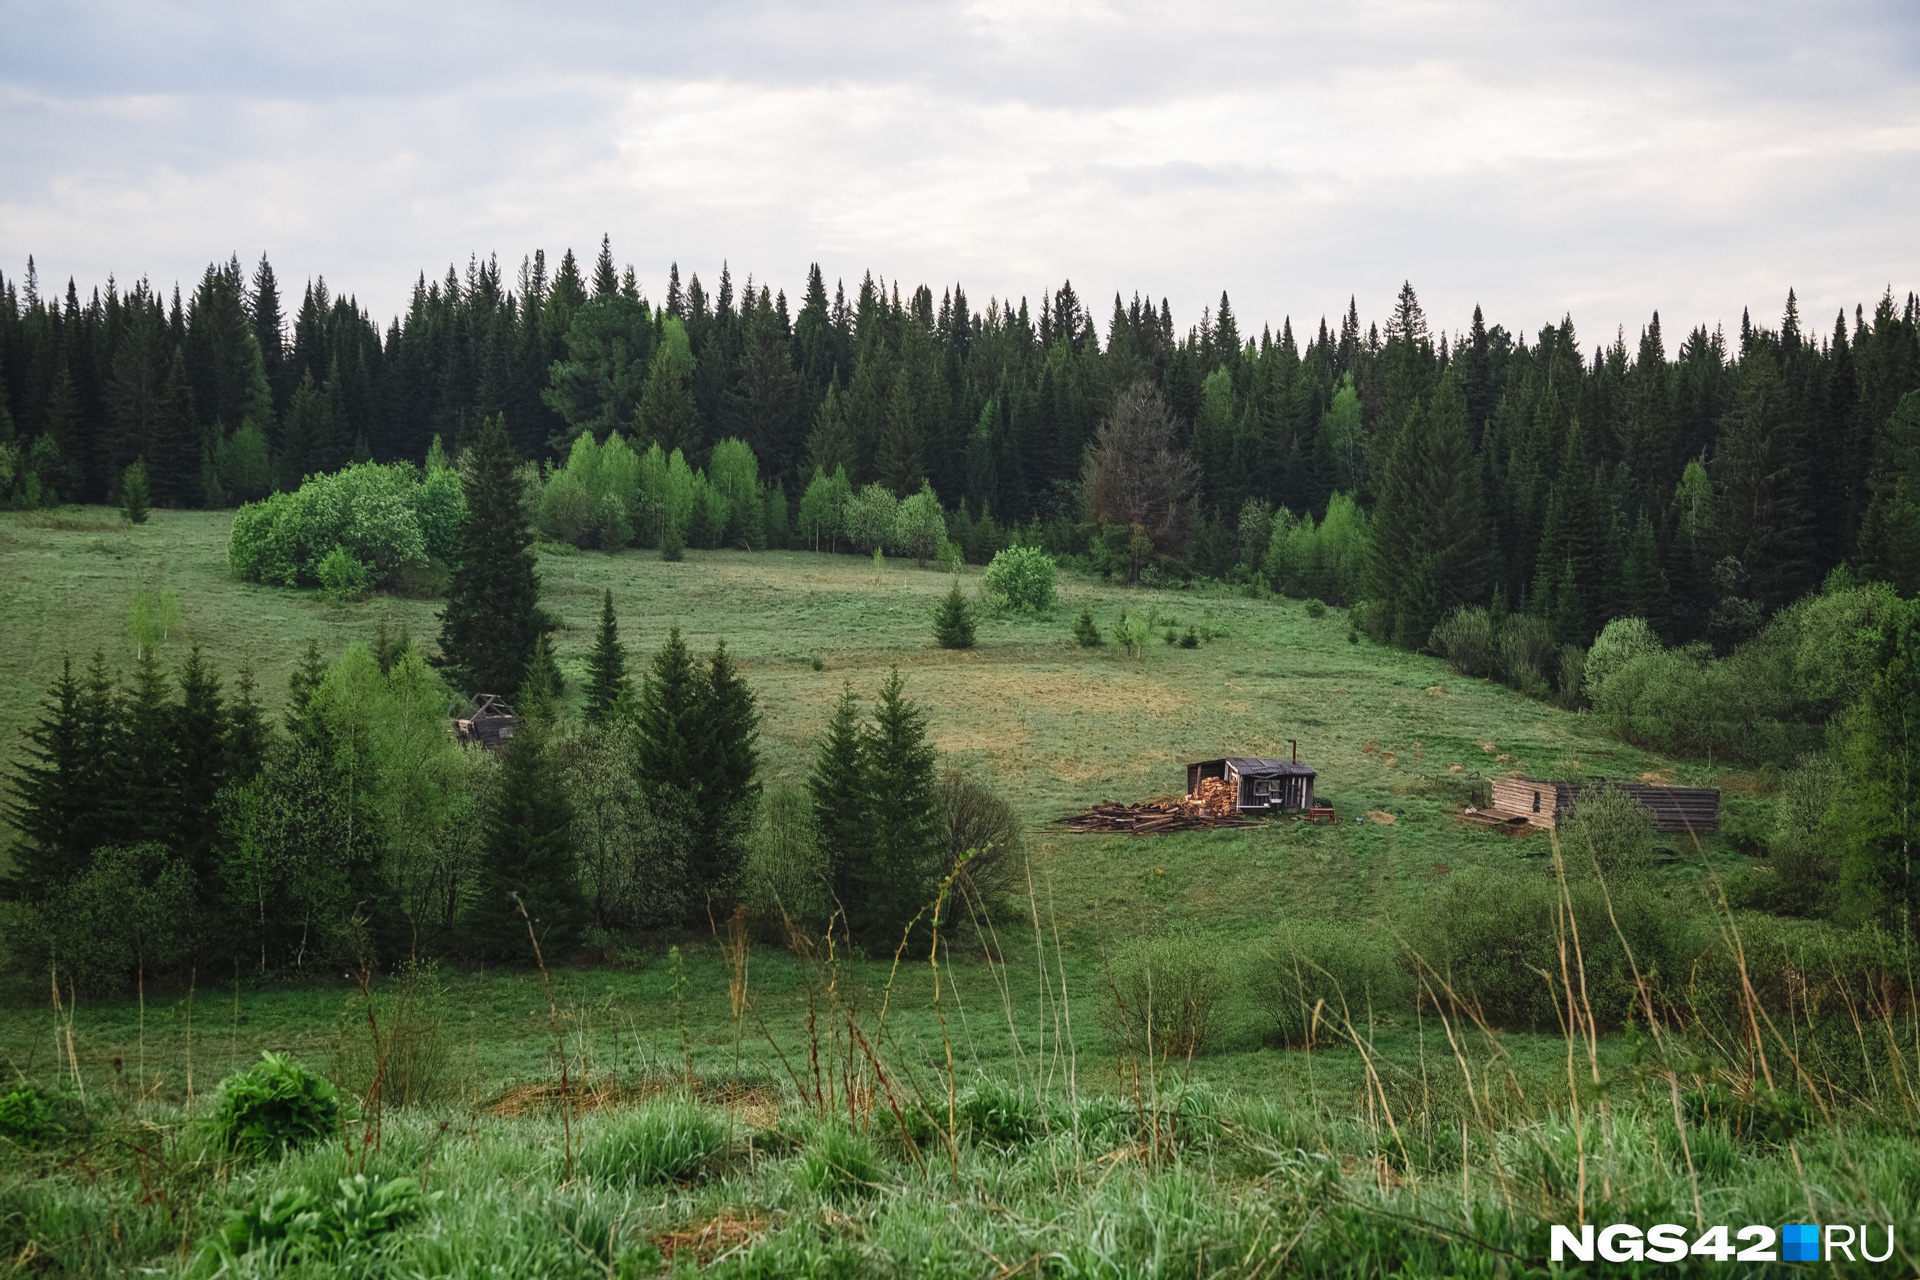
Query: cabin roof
[{"x": 1259, "y": 767}]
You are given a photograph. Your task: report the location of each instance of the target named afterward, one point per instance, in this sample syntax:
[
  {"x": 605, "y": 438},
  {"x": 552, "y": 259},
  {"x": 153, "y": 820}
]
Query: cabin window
[{"x": 1259, "y": 788}]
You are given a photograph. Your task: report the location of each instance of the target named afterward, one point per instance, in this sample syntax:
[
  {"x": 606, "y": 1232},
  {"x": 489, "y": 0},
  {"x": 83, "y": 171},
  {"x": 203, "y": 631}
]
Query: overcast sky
[{"x": 1602, "y": 159}]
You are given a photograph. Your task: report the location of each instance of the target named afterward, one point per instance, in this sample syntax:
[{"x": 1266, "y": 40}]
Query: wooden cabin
[
  {"x": 1547, "y": 803},
  {"x": 1260, "y": 785},
  {"x": 490, "y": 726}
]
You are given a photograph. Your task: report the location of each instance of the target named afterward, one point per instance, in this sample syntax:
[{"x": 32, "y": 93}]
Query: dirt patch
[
  {"x": 705, "y": 1241},
  {"x": 1379, "y": 815}
]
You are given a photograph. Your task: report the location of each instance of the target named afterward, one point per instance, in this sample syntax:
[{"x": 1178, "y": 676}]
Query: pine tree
[
  {"x": 838, "y": 787},
  {"x": 527, "y": 858},
  {"x": 668, "y": 756},
  {"x": 247, "y": 734},
  {"x": 148, "y": 796},
  {"x": 133, "y": 493},
  {"x": 302, "y": 683},
  {"x": 905, "y": 818},
  {"x": 608, "y": 685},
  {"x": 1086, "y": 633},
  {"x": 1429, "y": 546},
  {"x": 201, "y": 757},
  {"x": 953, "y": 620},
  {"x": 1645, "y": 580},
  {"x": 173, "y": 454},
  {"x": 491, "y": 625},
  {"x": 728, "y": 765},
  {"x": 54, "y": 791}
]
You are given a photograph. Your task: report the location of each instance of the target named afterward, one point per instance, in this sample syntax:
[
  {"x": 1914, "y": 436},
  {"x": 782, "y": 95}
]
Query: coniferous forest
[{"x": 1699, "y": 480}]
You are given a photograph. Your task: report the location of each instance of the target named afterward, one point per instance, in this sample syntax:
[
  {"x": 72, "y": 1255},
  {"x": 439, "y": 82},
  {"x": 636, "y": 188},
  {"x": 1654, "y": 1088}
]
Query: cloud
[{"x": 1605, "y": 162}]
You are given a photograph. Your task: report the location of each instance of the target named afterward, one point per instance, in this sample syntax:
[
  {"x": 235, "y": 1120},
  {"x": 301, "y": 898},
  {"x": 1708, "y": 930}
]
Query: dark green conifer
[
  {"x": 841, "y": 803},
  {"x": 1086, "y": 632},
  {"x": 54, "y": 790},
  {"x": 133, "y": 493},
  {"x": 148, "y": 796},
  {"x": 491, "y": 625},
  {"x": 953, "y": 620},
  {"x": 173, "y": 452},
  {"x": 527, "y": 858},
  {"x": 905, "y": 817},
  {"x": 248, "y": 733},
  {"x": 729, "y": 786},
  {"x": 608, "y": 685},
  {"x": 1644, "y": 578},
  {"x": 668, "y": 755},
  {"x": 302, "y": 683},
  {"x": 200, "y": 761}
]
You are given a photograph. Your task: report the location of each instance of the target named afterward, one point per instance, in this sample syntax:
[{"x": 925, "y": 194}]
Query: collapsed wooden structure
[
  {"x": 490, "y": 726},
  {"x": 1155, "y": 817},
  {"x": 1545, "y": 802}
]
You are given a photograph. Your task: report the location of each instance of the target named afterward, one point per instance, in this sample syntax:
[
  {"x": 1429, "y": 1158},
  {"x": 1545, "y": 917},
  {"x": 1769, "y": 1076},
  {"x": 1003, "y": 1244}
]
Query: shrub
[
  {"x": 1316, "y": 609},
  {"x": 1316, "y": 977},
  {"x": 871, "y": 518},
  {"x": 1085, "y": 632},
  {"x": 1167, "y": 993},
  {"x": 1021, "y": 578},
  {"x": 975, "y": 819},
  {"x": 1619, "y": 642},
  {"x": 1129, "y": 632},
  {"x": 1004, "y": 1115},
  {"x": 1526, "y": 645},
  {"x": 920, "y": 527},
  {"x": 273, "y": 1107},
  {"x": 27, "y": 1119},
  {"x": 1571, "y": 678},
  {"x": 342, "y": 575},
  {"x": 294, "y": 1225},
  {"x": 1465, "y": 639},
  {"x": 371, "y": 510},
  {"x": 659, "y": 1142},
  {"x": 1609, "y": 834},
  {"x": 953, "y": 620},
  {"x": 784, "y": 877},
  {"x": 413, "y": 1041},
  {"x": 837, "y": 1163}
]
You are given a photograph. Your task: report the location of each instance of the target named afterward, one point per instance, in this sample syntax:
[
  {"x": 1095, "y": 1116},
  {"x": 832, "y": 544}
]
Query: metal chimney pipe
[{"x": 1296, "y": 749}]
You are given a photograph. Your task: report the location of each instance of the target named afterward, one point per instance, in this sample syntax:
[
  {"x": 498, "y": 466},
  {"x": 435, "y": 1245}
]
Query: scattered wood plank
[{"x": 1155, "y": 817}]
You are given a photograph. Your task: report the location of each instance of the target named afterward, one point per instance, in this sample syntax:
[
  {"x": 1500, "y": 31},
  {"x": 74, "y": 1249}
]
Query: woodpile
[
  {"x": 1213, "y": 798},
  {"x": 1155, "y": 817}
]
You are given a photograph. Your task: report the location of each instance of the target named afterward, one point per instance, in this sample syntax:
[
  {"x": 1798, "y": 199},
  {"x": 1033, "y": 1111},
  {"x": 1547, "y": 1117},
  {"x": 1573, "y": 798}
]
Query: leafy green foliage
[
  {"x": 343, "y": 577},
  {"x": 293, "y": 1225},
  {"x": 1317, "y": 979},
  {"x": 386, "y": 517},
  {"x": 28, "y": 1119},
  {"x": 1166, "y": 994},
  {"x": 1022, "y": 579},
  {"x": 273, "y": 1107}
]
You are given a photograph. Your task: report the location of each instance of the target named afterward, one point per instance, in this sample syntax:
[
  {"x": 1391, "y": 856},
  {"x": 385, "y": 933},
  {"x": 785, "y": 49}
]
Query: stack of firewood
[{"x": 1213, "y": 798}]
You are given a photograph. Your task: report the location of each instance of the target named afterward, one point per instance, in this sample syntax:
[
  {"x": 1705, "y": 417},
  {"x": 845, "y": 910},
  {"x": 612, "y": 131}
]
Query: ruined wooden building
[
  {"x": 490, "y": 726},
  {"x": 1247, "y": 784},
  {"x": 1547, "y": 803}
]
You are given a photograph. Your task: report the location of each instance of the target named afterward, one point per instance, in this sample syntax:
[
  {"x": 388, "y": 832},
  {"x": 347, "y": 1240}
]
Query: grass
[{"x": 1413, "y": 1145}]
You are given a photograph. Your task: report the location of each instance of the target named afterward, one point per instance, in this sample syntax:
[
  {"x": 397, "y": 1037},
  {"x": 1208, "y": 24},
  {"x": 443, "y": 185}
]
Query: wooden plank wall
[{"x": 1674, "y": 809}]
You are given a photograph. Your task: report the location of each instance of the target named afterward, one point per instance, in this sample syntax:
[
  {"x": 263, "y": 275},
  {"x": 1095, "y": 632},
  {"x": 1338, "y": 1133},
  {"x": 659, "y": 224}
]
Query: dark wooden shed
[
  {"x": 490, "y": 726},
  {"x": 1260, "y": 785}
]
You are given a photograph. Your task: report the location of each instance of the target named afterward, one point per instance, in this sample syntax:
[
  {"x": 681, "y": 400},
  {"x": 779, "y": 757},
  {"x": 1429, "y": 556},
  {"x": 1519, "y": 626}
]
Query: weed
[
  {"x": 273, "y": 1107},
  {"x": 659, "y": 1142}
]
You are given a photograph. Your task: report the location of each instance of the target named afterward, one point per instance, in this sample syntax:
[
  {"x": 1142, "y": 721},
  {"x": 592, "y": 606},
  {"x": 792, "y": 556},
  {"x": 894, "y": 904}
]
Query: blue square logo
[{"x": 1800, "y": 1242}]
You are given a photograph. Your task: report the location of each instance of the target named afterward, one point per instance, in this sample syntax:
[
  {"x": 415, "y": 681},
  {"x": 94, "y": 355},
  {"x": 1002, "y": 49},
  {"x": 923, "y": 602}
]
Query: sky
[{"x": 1603, "y": 160}]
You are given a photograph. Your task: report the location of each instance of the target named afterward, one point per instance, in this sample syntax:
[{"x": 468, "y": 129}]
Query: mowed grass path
[{"x": 1054, "y": 725}]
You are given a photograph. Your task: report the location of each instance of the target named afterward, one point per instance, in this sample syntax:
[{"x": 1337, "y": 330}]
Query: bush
[
  {"x": 1316, "y": 609},
  {"x": 28, "y": 1119},
  {"x": 1021, "y": 578},
  {"x": 784, "y": 876},
  {"x": 920, "y": 527},
  {"x": 374, "y": 511},
  {"x": 660, "y": 1142},
  {"x": 273, "y": 1107},
  {"x": 1526, "y": 646},
  {"x": 1619, "y": 642},
  {"x": 1167, "y": 993},
  {"x": 839, "y": 1164},
  {"x": 1494, "y": 937},
  {"x": 975, "y": 819},
  {"x": 414, "y": 1043},
  {"x": 1465, "y": 639},
  {"x": 342, "y": 576},
  {"x": 1317, "y": 977},
  {"x": 953, "y": 620},
  {"x": 871, "y": 517},
  {"x": 1085, "y": 632},
  {"x": 1608, "y": 834},
  {"x": 1571, "y": 679},
  {"x": 293, "y": 1225}
]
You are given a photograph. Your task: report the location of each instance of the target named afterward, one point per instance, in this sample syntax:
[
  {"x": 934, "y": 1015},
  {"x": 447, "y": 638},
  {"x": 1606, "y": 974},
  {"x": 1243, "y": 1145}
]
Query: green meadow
[{"x": 719, "y": 1101}]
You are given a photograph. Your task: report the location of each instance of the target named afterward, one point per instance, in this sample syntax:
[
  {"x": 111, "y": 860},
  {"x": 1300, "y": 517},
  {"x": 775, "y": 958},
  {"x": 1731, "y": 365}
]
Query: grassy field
[{"x": 1276, "y": 1161}]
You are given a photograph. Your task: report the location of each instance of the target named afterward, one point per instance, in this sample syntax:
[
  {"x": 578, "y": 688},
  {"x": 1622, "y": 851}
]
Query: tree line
[{"x": 163, "y": 820}]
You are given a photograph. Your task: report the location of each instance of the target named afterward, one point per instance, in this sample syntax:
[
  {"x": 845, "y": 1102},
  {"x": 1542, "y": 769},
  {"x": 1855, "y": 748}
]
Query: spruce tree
[
  {"x": 838, "y": 787},
  {"x": 174, "y": 447},
  {"x": 248, "y": 734},
  {"x": 527, "y": 855},
  {"x": 133, "y": 493},
  {"x": 905, "y": 817},
  {"x": 953, "y": 620},
  {"x": 302, "y": 683},
  {"x": 54, "y": 790},
  {"x": 1086, "y": 633},
  {"x": 1881, "y": 754},
  {"x": 200, "y": 762},
  {"x": 608, "y": 686},
  {"x": 728, "y": 765},
  {"x": 491, "y": 625},
  {"x": 668, "y": 754},
  {"x": 148, "y": 794},
  {"x": 1645, "y": 580}
]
